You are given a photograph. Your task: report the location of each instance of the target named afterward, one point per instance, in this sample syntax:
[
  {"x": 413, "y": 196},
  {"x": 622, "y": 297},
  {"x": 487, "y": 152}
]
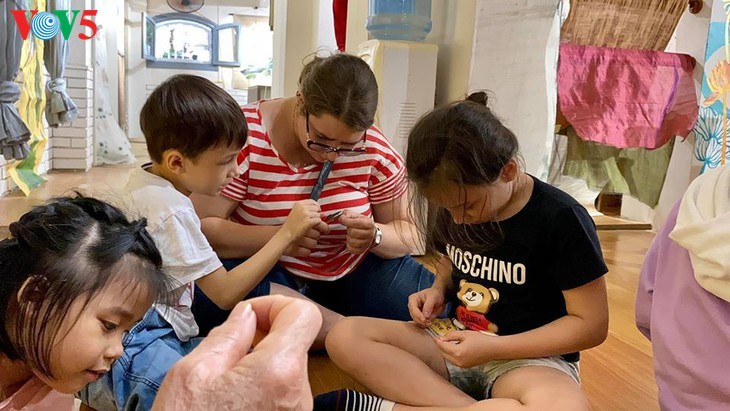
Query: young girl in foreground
[
  {"x": 520, "y": 262},
  {"x": 75, "y": 277}
]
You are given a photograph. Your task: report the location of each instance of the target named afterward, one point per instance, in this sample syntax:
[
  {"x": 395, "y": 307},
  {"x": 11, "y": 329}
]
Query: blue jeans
[
  {"x": 150, "y": 349},
  {"x": 377, "y": 288}
]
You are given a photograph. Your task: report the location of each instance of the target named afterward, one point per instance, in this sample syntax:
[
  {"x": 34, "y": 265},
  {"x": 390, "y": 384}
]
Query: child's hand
[
  {"x": 304, "y": 246},
  {"x": 426, "y": 305},
  {"x": 360, "y": 231},
  {"x": 304, "y": 217},
  {"x": 466, "y": 349}
]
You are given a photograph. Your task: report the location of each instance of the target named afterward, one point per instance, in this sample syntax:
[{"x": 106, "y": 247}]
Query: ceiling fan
[{"x": 186, "y": 6}]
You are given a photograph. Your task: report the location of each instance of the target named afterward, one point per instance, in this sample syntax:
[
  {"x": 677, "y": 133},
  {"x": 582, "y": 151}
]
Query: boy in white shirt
[{"x": 194, "y": 131}]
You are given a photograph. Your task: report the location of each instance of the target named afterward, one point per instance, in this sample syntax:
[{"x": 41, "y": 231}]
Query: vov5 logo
[{"x": 46, "y": 25}]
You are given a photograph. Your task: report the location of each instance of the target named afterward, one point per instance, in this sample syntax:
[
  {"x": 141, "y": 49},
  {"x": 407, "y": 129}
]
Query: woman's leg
[
  {"x": 208, "y": 315},
  {"x": 395, "y": 360},
  {"x": 329, "y": 317},
  {"x": 377, "y": 288},
  {"x": 277, "y": 281}
]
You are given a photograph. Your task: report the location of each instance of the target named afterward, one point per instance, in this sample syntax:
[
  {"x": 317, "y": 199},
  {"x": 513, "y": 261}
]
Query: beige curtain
[{"x": 631, "y": 24}]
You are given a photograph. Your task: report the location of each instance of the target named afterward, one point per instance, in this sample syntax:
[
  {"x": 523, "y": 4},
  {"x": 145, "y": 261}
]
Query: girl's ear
[
  {"x": 33, "y": 290},
  {"x": 510, "y": 171}
]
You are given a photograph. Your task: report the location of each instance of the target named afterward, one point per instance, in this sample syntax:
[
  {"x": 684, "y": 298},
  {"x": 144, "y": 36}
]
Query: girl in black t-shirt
[{"x": 519, "y": 261}]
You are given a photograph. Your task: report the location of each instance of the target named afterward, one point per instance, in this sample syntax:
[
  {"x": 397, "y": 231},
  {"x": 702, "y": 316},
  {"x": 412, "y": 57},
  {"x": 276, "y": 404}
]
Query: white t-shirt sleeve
[{"x": 186, "y": 253}]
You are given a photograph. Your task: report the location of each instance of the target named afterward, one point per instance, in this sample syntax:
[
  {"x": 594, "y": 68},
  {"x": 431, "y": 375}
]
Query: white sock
[{"x": 357, "y": 401}]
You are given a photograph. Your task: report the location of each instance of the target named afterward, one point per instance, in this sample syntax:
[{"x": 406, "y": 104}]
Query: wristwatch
[{"x": 378, "y": 237}]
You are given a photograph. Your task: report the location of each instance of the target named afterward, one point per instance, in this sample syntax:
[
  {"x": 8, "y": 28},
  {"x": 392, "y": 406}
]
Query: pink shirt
[{"x": 37, "y": 396}]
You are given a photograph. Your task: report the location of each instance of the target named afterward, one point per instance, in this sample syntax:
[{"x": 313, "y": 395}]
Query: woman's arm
[
  {"x": 400, "y": 236},
  {"x": 228, "y": 238}
]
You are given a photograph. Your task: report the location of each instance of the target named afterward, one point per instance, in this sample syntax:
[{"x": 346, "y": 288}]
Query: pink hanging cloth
[{"x": 627, "y": 98}]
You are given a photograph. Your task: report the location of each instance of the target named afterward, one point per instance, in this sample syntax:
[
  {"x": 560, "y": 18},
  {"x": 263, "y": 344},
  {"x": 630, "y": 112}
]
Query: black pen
[{"x": 317, "y": 190}]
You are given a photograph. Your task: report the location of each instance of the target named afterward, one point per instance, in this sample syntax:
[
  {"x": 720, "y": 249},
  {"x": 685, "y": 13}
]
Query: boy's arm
[
  {"x": 232, "y": 240},
  {"x": 227, "y": 288},
  {"x": 228, "y": 238}
]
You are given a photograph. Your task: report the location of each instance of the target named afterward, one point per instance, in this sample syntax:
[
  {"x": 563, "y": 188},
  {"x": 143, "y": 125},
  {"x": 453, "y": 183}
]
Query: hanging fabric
[
  {"x": 627, "y": 24},
  {"x": 26, "y": 173},
  {"x": 631, "y": 24},
  {"x": 60, "y": 109},
  {"x": 634, "y": 171},
  {"x": 627, "y": 98},
  {"x": 14, "y": 134}
]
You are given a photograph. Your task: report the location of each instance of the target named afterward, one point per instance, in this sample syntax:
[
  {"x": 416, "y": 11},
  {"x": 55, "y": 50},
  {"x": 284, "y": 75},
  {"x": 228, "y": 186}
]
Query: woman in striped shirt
[{"x": 361, "y": 265}]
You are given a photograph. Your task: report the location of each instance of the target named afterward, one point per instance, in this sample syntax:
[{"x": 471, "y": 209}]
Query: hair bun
[
  {"x": 21, "y": 236},
  {"x": 479, "y": 97},
  {"x": 138, "y": 226},
  {"x": 15, "y": 229}
]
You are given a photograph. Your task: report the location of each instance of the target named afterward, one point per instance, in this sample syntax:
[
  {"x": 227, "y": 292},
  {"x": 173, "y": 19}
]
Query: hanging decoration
[
  {"x": 712, "y": 129},
  {"x": 32, "y": 105}
]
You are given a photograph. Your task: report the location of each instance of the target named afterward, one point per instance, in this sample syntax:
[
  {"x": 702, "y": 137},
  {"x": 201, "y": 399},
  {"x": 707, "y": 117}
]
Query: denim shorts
[
  {"x": 478, "y": 381},
  {"x": 150, "y": 349}
]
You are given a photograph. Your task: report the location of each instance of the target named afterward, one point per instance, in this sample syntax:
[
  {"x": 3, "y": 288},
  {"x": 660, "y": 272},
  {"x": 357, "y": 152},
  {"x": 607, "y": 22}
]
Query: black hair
[
  {"x": 343, "y": 86},
  {"x": 192, "y": 115},
  {"x": 69, "y": 248},
  {"x": 461, "y": 143}
]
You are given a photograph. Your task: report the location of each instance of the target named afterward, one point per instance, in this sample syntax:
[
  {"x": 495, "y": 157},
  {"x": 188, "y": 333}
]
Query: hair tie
[{"x": 138, "y": 226}]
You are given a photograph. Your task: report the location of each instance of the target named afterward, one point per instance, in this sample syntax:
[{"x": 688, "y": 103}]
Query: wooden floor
[
  {"x": 616, "y": 376},
  {"x": 605, "y": 222}
]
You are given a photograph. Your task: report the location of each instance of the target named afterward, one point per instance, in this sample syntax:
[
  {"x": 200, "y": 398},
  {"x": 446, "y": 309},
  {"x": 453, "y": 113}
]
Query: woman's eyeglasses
[{"x": 324, "y": 148}]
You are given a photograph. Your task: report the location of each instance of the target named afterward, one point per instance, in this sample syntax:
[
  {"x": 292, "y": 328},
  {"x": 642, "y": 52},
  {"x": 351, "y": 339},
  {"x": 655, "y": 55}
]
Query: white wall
[
  {"x": 513, "y": 60},
  {"x": 453, "y": 32},
  {"x": 294, "y": 33},
  {"x": 325, "y": 24},
  {"x": 300, "y": 29},
  {"x": 72, "y": 145},
  {"x": 357, "y": 15},
  {"x": 111, "y": 17},
  {"x": 690, "y": 37}
]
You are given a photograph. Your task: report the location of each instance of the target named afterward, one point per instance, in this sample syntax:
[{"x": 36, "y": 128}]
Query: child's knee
[
  {"x": 568, "y": 400},
  {"x": 348, "y": 333},
  {"x": 572, "y": 403}
]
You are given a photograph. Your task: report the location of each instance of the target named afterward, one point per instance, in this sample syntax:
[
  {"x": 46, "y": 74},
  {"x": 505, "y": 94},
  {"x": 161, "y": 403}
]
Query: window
[
  {"x": 178, "y": 40},
  {"x": 189, "y": 42}
]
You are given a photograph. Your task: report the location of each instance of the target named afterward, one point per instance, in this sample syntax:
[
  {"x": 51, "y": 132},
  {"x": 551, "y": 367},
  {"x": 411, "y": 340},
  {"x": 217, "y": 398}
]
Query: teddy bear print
[{"x": 476, "y": 301}]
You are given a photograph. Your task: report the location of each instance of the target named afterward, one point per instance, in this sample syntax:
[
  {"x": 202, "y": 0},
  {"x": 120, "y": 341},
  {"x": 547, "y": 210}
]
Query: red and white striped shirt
[{"x": 269, "y": 186}]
